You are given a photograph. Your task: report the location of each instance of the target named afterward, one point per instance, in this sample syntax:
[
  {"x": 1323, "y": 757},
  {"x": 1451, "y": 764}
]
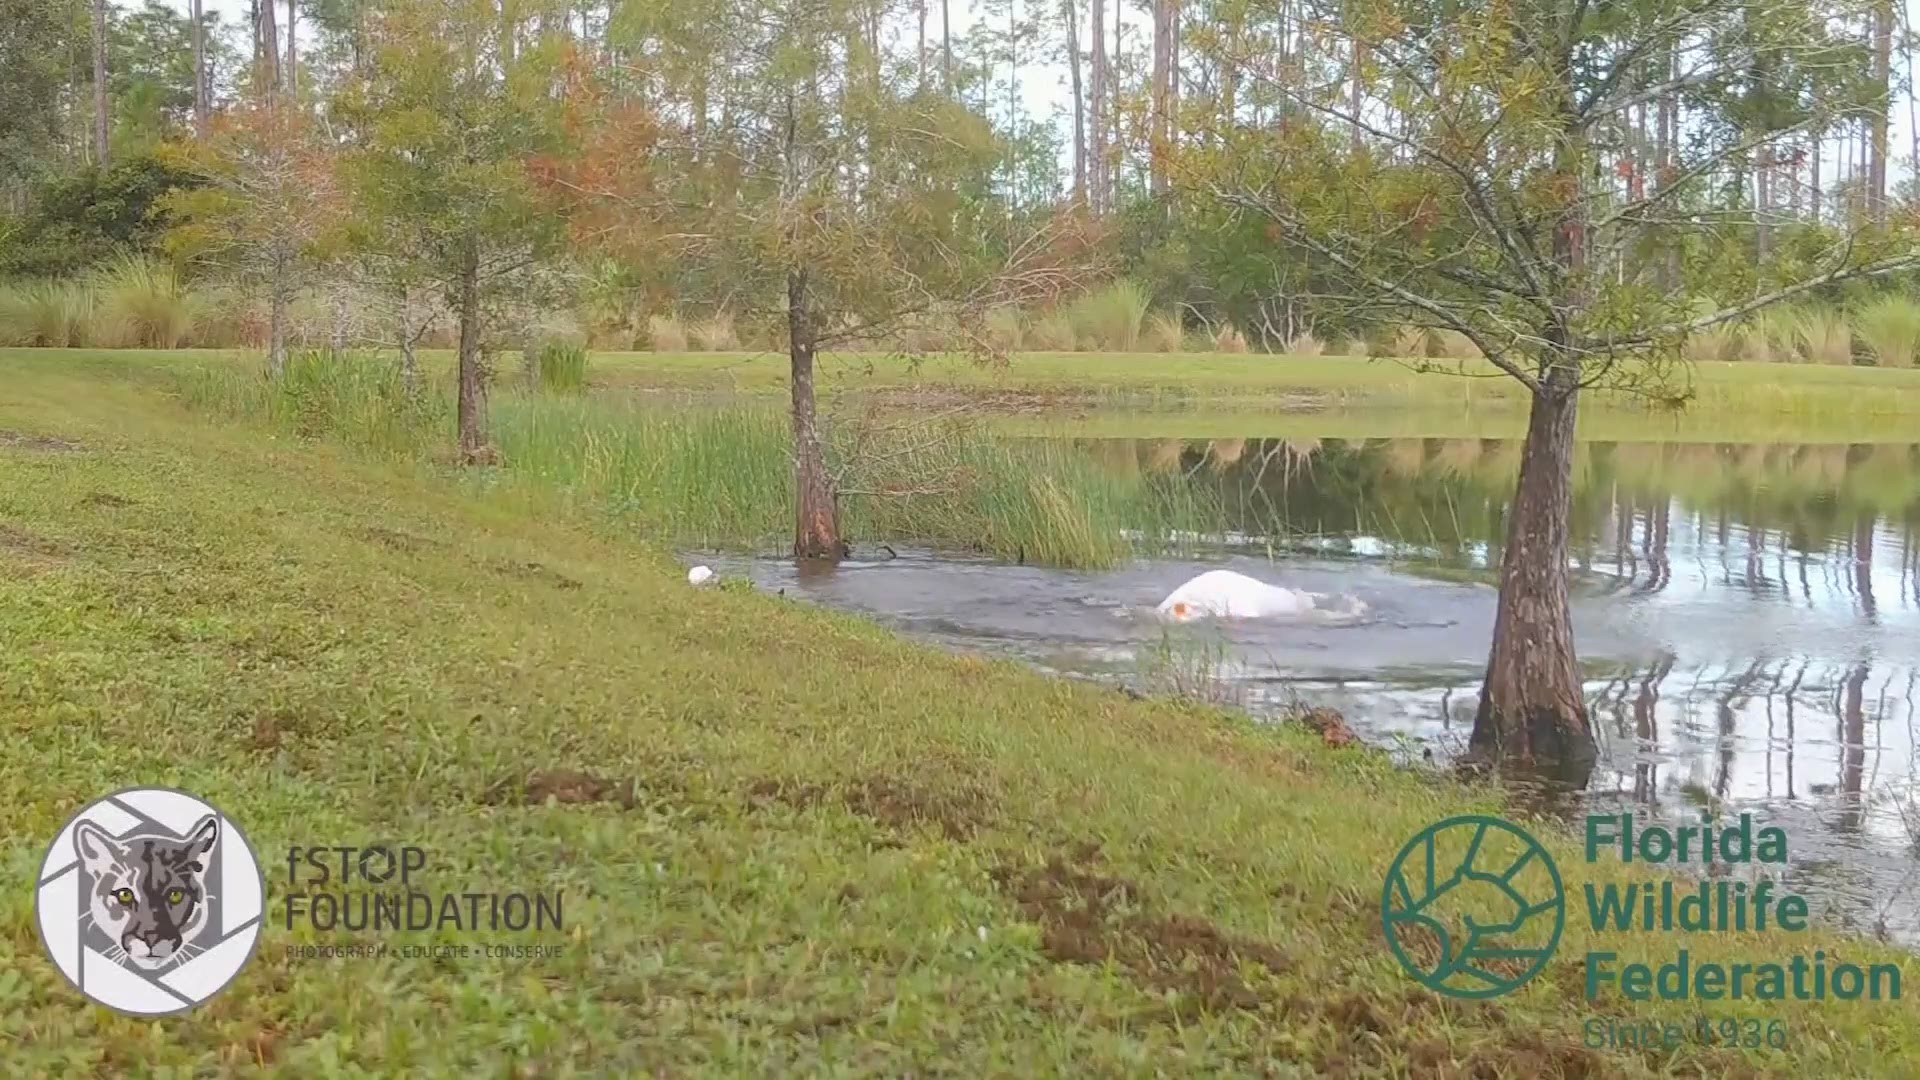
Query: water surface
[{"x": 1747, "y": 617}]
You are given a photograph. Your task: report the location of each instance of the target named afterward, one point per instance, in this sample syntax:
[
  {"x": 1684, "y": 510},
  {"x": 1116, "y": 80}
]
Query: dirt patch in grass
[
  {"x": 533, "y": 571},
  {"x": 955, "y": 813},
  {"x": 46, "y": 444},
  {"x": 1091, "y": 918},
  {"x": 29, "y": 548},
  {"x": 395, "y": 540},
  {"x": 567, "y": 786}
]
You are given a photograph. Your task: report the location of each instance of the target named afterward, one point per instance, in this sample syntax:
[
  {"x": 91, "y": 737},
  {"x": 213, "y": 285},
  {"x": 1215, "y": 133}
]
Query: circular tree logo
[
  {"x": 1473, "y": 907},
  {"x": 149, "y": 901}
]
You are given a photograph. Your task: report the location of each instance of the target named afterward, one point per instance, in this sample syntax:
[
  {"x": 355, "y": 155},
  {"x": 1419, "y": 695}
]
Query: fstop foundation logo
[{"x": 149, "y": 901}]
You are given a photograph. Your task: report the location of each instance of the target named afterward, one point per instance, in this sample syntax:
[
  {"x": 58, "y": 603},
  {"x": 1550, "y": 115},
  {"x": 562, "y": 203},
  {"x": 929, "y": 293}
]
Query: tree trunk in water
[
  {"x": 100, "y": 83},
  {"x": 201, "y": 111},
  {"x": 473, "y": 386},
  {"x": 1079, "y": 103},
  {"x": 1532, "y": 711},
  {"x": 816, "y": 527}
]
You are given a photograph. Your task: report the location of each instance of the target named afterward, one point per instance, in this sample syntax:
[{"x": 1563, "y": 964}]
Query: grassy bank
[
  {"x": 842, "y": 852},
  {"x": 1262, "y": 381}
]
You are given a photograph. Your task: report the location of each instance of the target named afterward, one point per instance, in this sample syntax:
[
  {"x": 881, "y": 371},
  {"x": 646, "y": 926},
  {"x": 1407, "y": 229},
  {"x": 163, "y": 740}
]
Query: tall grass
[
  {"x": 1305, "y": 344},
  {"x": 1005, "y": 329},
  {"x": 1771, "y": 336},
  {"x": 559, "y": 367},
  {"x": 715, "y": 333},
  {"x": 1165, "y": 334},
  {"x": 357, "y": 398},
  {"x": 723, "y": 477},
  {"x": 665, "y": 334},
  {"x": 1823, "y": 336},
  {"x": 143, "y": 303},
  {"x": 1890, "y": 328},
  {"x": 1053, "y": 332},
  {"x": 1112, "y": 317},
  {"x": 46, "y": 314}
]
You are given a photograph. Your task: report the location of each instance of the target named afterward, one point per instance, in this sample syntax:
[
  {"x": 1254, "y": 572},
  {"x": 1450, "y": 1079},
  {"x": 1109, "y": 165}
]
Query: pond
[{"x": 1747, "y": 617}]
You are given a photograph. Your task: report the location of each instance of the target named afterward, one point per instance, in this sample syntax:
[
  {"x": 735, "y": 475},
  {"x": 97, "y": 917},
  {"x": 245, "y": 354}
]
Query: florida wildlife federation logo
[
  {"x": 149, "y": 901},
  {"x": 1473, "y": 907}
]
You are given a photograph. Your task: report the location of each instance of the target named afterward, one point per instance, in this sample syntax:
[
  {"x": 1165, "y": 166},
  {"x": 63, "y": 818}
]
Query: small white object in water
[
  {"x": 700, "y": 575},
  {"x": 1223, "y": 594}
]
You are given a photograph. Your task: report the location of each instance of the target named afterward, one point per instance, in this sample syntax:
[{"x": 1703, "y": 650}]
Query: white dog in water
[{"x": 1223, "y": 594}]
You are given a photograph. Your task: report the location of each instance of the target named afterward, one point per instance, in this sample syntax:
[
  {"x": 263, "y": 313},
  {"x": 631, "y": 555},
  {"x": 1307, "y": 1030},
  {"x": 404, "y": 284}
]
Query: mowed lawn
[
  {"x": 1718, "y": 395},
  {"x": 842, "y": 853},
  {"x": 1258, "y": 380}
]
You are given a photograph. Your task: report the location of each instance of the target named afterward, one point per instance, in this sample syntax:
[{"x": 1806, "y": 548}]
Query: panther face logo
[
  {"x": 149, "y": 901},
  {"x": 147, "y": 892}
]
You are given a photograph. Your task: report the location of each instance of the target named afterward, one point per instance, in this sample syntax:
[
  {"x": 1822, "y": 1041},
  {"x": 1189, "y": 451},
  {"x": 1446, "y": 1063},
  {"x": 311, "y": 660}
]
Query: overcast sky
[{"x": 1044, "y": 90}]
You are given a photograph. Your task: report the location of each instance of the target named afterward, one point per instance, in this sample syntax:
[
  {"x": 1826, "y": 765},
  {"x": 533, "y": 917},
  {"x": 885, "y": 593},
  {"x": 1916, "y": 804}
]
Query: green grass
[
  {"x": 847, "y": 853},
  {"x": 1720, "y": 389}
]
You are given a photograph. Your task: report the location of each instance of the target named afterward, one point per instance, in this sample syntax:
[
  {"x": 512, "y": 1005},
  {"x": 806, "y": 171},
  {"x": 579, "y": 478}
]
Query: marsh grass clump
[
  {"x": 1053, "y": 332},
  {"x": 1191, "y": 665},
  {"x": 143, "y": 303},
  {"x": 559, "y": 366},
  {"x": 665, "y": 333},
  {"x": 1111, "y": 317},
  {"x": 46, "y": 314},
  {"x": 1823, "y": 335},
  {"x": 1305, "y": 344},
  {"x": 1890, "y": 329},
  {"x": 1771, "y": 336},
  {"x": 1005, "y": 329},
  {"x": 1229, "y": 339},
  {"x": 1165, "y": 334},
  {"x": 715, "y": 333}
]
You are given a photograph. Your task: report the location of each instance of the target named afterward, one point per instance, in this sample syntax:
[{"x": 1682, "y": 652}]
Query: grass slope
[{"x": 846, "y": 853}]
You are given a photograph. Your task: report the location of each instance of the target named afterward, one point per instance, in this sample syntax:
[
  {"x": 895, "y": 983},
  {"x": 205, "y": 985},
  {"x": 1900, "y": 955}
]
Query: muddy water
[{"x": 1748, "y": 619}]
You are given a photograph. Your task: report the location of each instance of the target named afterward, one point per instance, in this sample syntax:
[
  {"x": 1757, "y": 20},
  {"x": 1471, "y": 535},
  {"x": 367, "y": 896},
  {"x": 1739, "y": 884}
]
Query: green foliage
[
  {"x": 90, "y": 215},
  {"x": 33, "y": 81},
  {"x": 441, "y": 177}
]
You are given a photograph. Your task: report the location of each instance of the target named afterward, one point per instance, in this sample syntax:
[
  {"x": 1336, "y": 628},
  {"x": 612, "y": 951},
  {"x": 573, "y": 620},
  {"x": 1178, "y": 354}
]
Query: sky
[{"x": 1043, "y": 88}]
